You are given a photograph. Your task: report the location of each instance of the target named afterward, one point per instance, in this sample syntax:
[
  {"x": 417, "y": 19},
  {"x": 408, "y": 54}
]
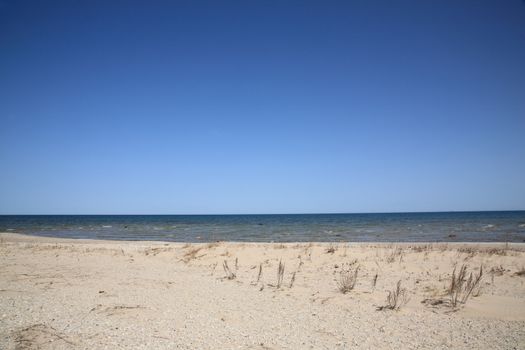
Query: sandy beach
[{"x": 80, "y": 294}]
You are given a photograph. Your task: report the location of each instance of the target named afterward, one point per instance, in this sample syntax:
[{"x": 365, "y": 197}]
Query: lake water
[{"x": 508, "y": 226}]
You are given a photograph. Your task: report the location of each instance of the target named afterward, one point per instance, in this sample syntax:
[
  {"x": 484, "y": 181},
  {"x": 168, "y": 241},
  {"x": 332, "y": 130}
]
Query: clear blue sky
[{"x": 174, "y": 107}]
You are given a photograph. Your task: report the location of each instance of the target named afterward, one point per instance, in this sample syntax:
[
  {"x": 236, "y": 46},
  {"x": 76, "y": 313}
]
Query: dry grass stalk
[
  {"x": 374, "y": 281},
  {"x": 292, "y": 280},
  {"x": 347, "y": 280},
  {"x": 280, "y": 274},
  {"x": 461, "y": 287},
  {"x": 259, "y": 275},
  {"x": 229, "y": 274},
  {"x": 394, "y": 254},
  {"x": 191, "y": 254}
]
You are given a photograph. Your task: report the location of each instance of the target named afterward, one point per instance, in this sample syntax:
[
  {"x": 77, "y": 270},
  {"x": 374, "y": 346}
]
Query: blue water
[{"x": 508, "y": 226}]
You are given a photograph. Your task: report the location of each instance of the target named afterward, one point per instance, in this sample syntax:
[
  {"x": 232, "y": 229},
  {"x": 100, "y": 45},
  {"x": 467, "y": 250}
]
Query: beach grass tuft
[
  {"x": 461, "y": 286},
  {"x": 347, "y": 280},
  {"x": 396, "y": 298}
]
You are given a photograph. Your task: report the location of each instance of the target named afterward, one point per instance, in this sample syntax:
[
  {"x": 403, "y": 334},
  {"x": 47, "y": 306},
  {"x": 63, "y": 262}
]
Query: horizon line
[{"x": 310, "y": 213}]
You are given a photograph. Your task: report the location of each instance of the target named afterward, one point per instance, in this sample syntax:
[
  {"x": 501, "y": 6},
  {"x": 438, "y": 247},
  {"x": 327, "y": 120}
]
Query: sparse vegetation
[
  {"x": 396, "y": 298},
  {"x": 394, "y": 254},
  {"x": 330, "y": 250},
  {"x": 461, "y": 287},
  {"x": 153, "y": 251},
  {"x": 521, "y": 272},
  {"x": 212, "y": 245},
  {"x": 37, "y": 336},
  {"x": 500, "y": 251},
  {"x": 347, "y": 280},
  {"x": 421, "y": 248},
  {"x": 191, "y": 254}
]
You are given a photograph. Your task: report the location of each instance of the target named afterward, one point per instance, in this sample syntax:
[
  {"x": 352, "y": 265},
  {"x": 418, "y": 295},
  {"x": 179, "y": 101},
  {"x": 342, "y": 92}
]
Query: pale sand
[{"x": 61, "y": 294}]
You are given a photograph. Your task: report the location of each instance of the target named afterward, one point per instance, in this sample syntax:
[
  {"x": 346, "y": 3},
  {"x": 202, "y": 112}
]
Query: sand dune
[{"x": 69, "y": 294}]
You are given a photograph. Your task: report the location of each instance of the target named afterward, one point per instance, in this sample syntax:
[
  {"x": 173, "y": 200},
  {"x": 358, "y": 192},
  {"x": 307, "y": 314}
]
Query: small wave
[
  {"x": 521, "y": 225},
  {"x": 488, "y": 226},
  {"x": 106, "y": 226}
]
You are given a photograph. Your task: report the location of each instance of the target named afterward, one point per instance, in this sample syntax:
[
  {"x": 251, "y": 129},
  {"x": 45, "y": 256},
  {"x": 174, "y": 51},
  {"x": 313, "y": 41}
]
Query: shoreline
[
  {"x": 23, "y": 237},
  {"x": 59, "y": 293}
]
